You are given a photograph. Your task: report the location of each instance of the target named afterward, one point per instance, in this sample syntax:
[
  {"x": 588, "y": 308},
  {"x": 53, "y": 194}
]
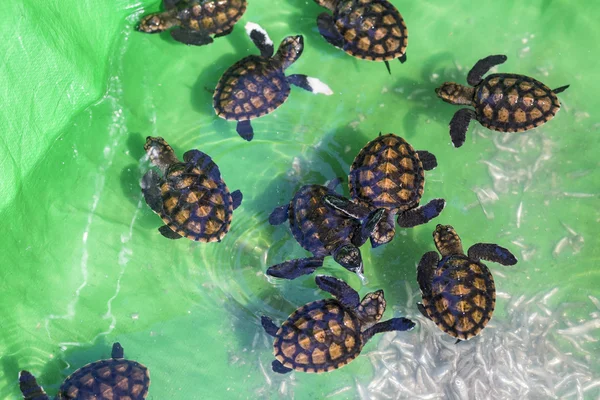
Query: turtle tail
[{"x": 30, "y": 388}]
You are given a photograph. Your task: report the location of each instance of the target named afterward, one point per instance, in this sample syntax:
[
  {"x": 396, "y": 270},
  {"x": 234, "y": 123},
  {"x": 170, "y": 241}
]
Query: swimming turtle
[
  {"x": 115, "y": 379},
  {"x": 458, "y": 291},
  {"x": 195, "y": 21},
  {"x": 502, "y": 102},
  {"x": 388, "y": 173},
  {"x": 323, "y": 231},
  {"x": 367, "y": 29},
  {"x": 190, "y": 197},
  {"x": 327, "y": 334},
  {"x": 257, "y": 85}
]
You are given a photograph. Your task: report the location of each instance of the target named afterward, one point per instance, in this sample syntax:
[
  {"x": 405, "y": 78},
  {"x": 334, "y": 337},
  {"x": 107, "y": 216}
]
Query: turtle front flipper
[
  {"x": 151, "y": 190},
  {"x": 279, "y": 368},
  {"x": 260, "y": 38},
  {"x": 117, "y": 351},
  {"x": 482, "y": 66},
  {"x": 169, "y": 233},
  {"x": 294, "y": 268},
  {"x": 269, "y": 326},
  {"x": 421, "y": 215},
  {"x": 339, "y": 289},
  {"x": 244, "y": 129},
  {"x": 460, "y": 124},
  {"x": 427, "y": 159},
  {"x": 491, "y": 252},
  {"x": 425, "y": 270},
  {"x": 348, "y": 207},
  {"x": 310, "y": 84},
  {"x": 394, "y": 324},
  {"x": 236, "y": 197},
  {"x": 30, "y": 388},
  {"x": 279, "y": 215},
  {"x": 328, "y": 30},
  {"x": 370, "y": 224},
  {"x": 190, "y": 37},
  {"x": 348, "y": 256}
]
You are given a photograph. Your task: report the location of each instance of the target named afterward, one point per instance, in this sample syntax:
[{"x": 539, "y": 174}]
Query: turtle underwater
[
  {"x": 257, "y": 85},
  {"x": 458, "y": 291},
  {"x": 368, "y": 29},
  {"x": 388, "y": 173},
  {"x": 115, "y": 379},
  {"x": 191, "y": 197},
  {"x": 195, "y": 21},
  {"x": 323, "y": 231},
  {"x": 502, "y": 102},
  {"x": 327, "y": 334}
]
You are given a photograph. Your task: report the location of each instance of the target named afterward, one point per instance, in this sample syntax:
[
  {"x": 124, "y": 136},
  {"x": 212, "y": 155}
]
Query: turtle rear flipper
[
  {"x": 394, "y": 324},
  {"x": 425, "y": 270},
  {"x": 169, "y": 233},
  {"x": 225, "y": 32},
  {"x": 279, "y": 367},
  {"x": 560, "y": 89},
  {"x": 295, "y": 268},
  {"x": 236, "y": 197},
  {"x": 327, "y": 29},
  {"x": 310, "y": 84},
  {"x": 491, "y": 252},
  {"x": 30, "y": 388},
  {"x": 269, "y": 326},
  {"x": 421, "y": 215},
  {"x": 190, "y": 37},
  {"x": 482, "y": 66},
  {"x": 460, "y": 124},
  {"x": 339, "y": 289}
]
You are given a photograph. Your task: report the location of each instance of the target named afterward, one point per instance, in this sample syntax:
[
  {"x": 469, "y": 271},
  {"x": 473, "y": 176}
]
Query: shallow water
[{"x": 84, "y": 265}]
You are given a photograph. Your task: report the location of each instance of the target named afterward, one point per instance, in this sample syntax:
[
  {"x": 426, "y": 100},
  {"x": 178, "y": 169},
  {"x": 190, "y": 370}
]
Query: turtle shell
[
  {"x": 252, "y": 87},
  {"x": 463, "y": 296},
  {"x": 387, "y": 173},
  {"x": 114, "y": 379},
  {"x": 196, "y": 201},
  {"x": 318, "y": 228},
  {"x": 318, "y": 337},
  {"x": 513, "y": 103},
  {"x": 212, "y": 17},
  {"x": 372, "y": 29}
]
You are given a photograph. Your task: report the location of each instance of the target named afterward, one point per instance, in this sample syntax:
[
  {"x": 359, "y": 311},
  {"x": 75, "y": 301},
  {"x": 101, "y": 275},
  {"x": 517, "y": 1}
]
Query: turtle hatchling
[
  {"x": 195, "y": 22},
  {"x": 327, "y": 334},
  {"x": 112, "y": 379},
  {"x": 367, "y": 29},
  {"x": 458, "y": 291},
  {"x": 388, "y": 173},
  {"x": 323, "y": 231},
  {"x": 257, "y": 85},
  {"x": 191, "y": 197},
  {"x": 502, "y": 102}
]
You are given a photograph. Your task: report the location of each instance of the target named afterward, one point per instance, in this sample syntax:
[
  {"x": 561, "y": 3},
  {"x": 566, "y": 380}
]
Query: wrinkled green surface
[{"x": 82, "y": 264}]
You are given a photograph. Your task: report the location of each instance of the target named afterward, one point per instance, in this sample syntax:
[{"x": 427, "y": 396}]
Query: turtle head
[
  {"x": 160, "y": 153},
  {"x": 328, "y": 4},
  {"x": 348, "y": 256},
  {"x": 157, "y": 22},
  {"x": 289, "y": 51},
  {"x": 447, "y": 241},
  {"x": 371, "y": 309},
  {"x": 384, "y": 230},
  {"x": 455, "y": 93}
]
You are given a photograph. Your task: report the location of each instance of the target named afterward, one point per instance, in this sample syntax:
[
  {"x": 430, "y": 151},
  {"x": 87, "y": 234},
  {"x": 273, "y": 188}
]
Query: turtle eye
[{"x": 154, "y": 22}]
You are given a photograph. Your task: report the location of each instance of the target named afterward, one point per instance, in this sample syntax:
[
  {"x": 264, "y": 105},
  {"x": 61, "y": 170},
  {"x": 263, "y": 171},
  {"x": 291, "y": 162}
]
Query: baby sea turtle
[
  {"x": 323, "y": 231},
  {"x": 388, "y": 173},
  {"x": 115, "y": 379},
  {"x": 503, "y": 102},
  {"x": 257, "y": 85},
  {"x": 327, "y": 334},
  {"x": 195, "y": 21},
  {"x": 190, "y": 197},
  {"x": 458, "y": 291},
  {"x": 367, "y": 29}
]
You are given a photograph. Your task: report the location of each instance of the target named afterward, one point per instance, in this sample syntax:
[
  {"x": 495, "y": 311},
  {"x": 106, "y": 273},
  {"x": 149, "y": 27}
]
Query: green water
[{"x": 83, "y": 264}]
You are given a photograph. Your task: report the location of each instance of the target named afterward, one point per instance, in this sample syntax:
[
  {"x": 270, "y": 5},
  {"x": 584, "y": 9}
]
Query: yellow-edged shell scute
[
  {"x": 514, "y": 103},
  {"x": 115, "y": 379},
  {"x": 387, "y": 173},
  {"x": 319, "y": 337},
  {"x": 212, "y": 17},
  {"x": 463, "y": 296},
  {"x": 250, "y": 88},
  {"x": 372, "y": 29}
]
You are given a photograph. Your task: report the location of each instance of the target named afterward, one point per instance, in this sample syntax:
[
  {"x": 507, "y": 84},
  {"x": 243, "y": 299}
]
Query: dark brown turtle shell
[
  {"x": 463, "y": 296},
  {"x": 319, "y": 337},
  {"x": 196, "y": 201},
  {"x": 514, "y": 103},
  {"x": 372, "y": 29},
  {"x": 318, "y": 228},
  {"x": 113, "y": 379},
  {"x": 387, "y": 173},
  {"x": 213, "y": 17},
  {"x": 252, "y": 87}
]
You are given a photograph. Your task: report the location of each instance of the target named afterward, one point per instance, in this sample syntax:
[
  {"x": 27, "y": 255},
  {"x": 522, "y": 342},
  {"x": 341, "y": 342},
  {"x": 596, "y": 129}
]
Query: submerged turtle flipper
[
  {"x": 425, "y": 270},
  {"x": 169, "y": 233},
  {"x": 268, "y": 325},
  {"x": 190, "y": 37},
  {"x": 260, "y": 38},
  {"x": 294, "y": 268},
  {"x": 460, "y": 124},
  {"x": 151, "y": 190},
  {"x": 310, "y": 84},
  {"x": 279, "y": 215},
  {"x": 482, "y": 66},
  {"x": 394, "y": 324},
  {"x": 339, "y": 289},
  {"x": 371, "y": 222},
  {"x": 117, "y": 350},
  {"x": 422, "y": 214},
  {"x": 236, "y": 197},
  {"x": 491, "y": 252},
  {"x": 279, "y": 368},
  {"x": 244, "y": 129},
  {"x": 427, "y": 159},
  {"x": 560, "y": 89},
  {"x": 30, "y": 388},
  {"x": 327, "y": 29}
]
